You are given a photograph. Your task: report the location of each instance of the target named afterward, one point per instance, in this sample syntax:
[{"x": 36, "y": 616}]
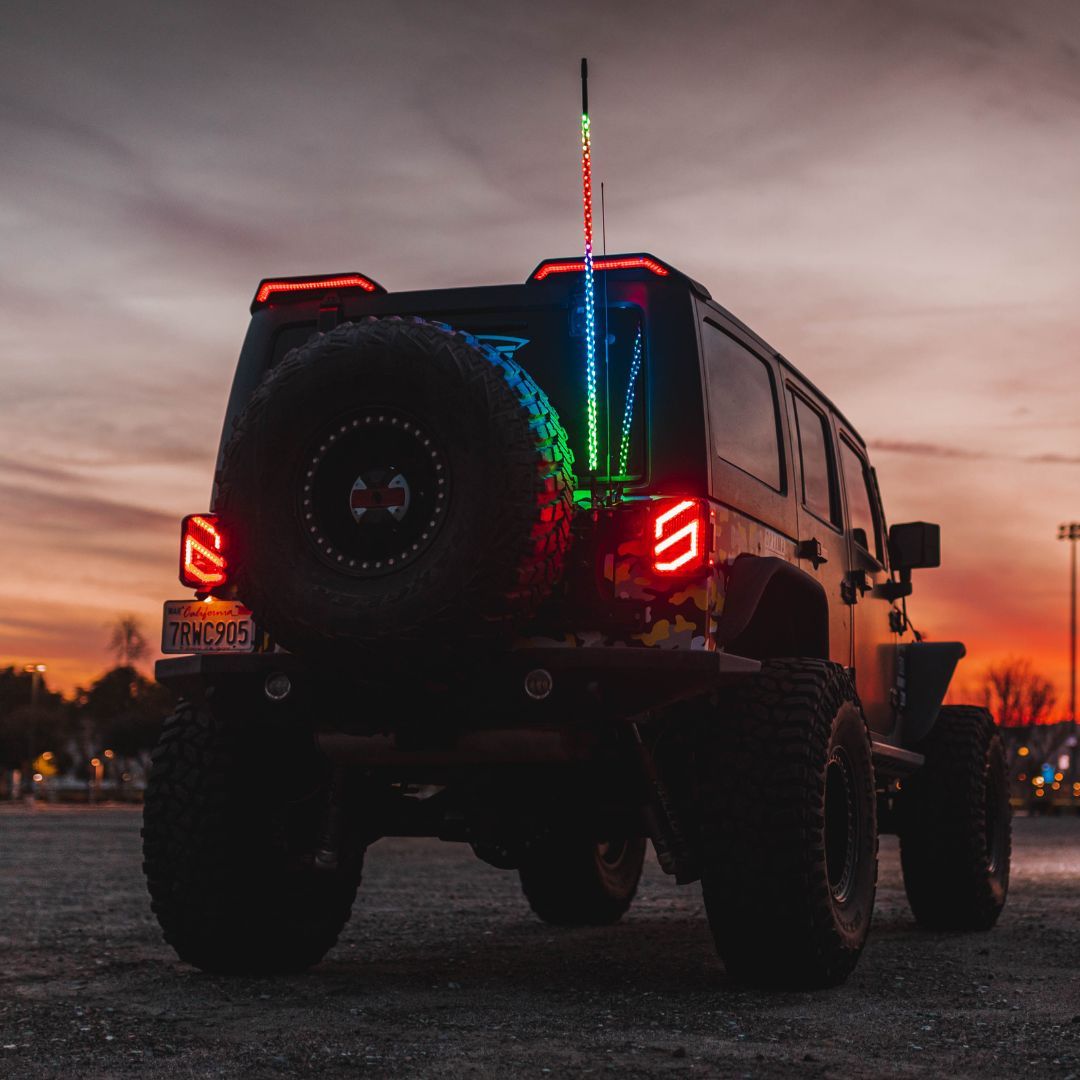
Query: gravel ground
[{"x": 443, "y": 971}]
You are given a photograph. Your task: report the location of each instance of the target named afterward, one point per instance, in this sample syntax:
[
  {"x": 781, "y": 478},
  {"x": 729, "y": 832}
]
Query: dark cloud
[
  {"x": 23, "y": 114},
  {"x": 926, "y": 449},
  {"x": 38, "y": 472},
  {"x": 42, "y": 627},
  {"x": 941, "y": 450},
  {"x": 1053, "y": 459},
  {"x": 75, "y": 516}
]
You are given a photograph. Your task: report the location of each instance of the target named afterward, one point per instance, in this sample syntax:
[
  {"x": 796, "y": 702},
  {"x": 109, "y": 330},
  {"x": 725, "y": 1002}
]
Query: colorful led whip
[
  {"x": 590, "y": 294},
  {"x": 628, "y": 410}
]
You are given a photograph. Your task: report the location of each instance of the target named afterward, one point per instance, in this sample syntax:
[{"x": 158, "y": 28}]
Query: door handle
[
  {"x": 855, "y": 583},
  {"x": 812, "y": 551}
]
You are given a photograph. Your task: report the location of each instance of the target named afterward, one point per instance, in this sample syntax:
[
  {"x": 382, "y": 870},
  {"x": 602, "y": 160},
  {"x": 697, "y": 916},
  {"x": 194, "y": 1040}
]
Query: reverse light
[
  {"x": 282, "y": 286},
  {"x": 202, "y": 558},
  {"x": 605, "y": 262},
  {"x": 679, "y": 536}
]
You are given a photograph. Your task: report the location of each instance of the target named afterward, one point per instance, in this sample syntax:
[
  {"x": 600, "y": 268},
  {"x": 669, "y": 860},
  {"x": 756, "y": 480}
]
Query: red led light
[
  {"x": 615, "y": 262},
  {"x": 679, "y": 537},
  {"x": 202, "y": 562},
  {"x": 346, "y": 281}
]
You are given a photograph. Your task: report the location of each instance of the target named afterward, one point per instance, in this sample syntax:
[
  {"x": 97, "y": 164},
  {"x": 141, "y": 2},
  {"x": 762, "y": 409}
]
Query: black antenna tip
[{"x": 584, "y": 67}]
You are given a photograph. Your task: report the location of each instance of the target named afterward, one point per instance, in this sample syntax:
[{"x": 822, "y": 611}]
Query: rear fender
[{"x": 773, "y": 608}]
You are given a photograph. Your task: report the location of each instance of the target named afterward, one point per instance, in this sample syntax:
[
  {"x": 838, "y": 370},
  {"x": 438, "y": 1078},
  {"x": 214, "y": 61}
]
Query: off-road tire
[
  {"x": 229, "y": 836},
  {"x": 955, "y": 824},
  {"x": 579, "y": 882},
  {"x": 491, "y": 469},
  {"x": 788, "y": 826}
]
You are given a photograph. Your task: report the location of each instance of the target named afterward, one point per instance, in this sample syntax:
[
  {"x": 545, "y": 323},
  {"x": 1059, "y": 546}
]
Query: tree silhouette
[
  {"x": 1016, "y": 694},
  {"x": 124, "y": 710},
  {"x": 1022, "y": 702},
  {"x": 127, "y": 642}
]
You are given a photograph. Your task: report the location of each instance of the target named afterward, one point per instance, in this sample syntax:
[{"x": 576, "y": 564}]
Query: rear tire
[
  {"x": 956, "y": 824},
  {"x": 229, "y": 836},
  {"x": 580, "y": 882},
  {"x": 788, "y": 816}
]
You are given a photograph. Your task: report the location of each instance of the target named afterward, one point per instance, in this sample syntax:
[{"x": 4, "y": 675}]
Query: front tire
[
  {"x": 231, "y": 822},
  {"x": 581, "y": 882},
  {"x": 956, "y": 824},
  {"x": 788, "y": 818}
]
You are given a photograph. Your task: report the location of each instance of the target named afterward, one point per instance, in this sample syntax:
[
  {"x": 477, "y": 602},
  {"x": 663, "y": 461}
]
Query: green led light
[{"x": 628, "y": 410}]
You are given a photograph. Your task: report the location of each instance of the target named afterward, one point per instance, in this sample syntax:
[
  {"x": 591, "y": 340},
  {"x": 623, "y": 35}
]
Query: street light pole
[
  {"x": 36, "y": 671},
  {"x": 1071, "y": 532}
]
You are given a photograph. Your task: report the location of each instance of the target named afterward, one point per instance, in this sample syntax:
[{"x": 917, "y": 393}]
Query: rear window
[
  {"x": 550, "y": 346},
  {"x": 549, "y": 343}
]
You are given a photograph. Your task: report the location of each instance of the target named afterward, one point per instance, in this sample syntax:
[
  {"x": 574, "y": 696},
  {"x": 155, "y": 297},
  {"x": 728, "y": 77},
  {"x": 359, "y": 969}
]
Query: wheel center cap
[{"x": 378, "y": 496}]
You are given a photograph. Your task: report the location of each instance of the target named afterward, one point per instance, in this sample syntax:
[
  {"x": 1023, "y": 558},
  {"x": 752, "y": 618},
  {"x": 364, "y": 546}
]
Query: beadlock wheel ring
[
  {"x": 842, "y": 826},
  {"x": 374, "y": 493}
]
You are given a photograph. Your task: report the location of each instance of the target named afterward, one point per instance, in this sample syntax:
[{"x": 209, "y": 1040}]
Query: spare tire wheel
[{"x": 394, "y": 478}]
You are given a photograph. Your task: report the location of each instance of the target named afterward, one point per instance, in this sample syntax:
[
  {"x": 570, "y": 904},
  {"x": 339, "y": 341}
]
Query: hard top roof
[{"x": 548, "y": 274}]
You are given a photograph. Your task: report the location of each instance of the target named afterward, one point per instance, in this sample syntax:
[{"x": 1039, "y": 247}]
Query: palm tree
[{"x": 127, "y": 643}]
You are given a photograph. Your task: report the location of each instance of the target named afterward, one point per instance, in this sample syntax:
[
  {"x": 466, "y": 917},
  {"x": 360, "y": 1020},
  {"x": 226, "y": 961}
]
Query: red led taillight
[
  {"x": 202, "y": 553},
  {"x": 605, "y": 262},
  {"x": 285, "y": 288},
  {"x": 680, "y": 536}
]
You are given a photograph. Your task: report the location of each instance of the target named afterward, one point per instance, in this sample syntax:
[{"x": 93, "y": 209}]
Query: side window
[
  {"x": 864, "y": 521},
  {"x": 743, "y": 411},
  {"x": 815, "y": 451}
]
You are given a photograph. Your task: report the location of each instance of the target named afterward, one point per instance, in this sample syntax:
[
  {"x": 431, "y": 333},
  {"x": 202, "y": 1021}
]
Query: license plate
[{"x": 199, "y": 626}]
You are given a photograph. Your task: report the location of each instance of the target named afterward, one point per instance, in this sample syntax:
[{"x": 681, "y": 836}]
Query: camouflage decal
[
  {"x": 679, "y": 613},
  {"x": 679, "y": 636}
]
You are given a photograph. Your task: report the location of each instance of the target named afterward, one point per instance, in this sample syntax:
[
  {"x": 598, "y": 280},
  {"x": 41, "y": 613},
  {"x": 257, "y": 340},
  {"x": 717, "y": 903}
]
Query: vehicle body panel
[{"x": 612, "y": 598}]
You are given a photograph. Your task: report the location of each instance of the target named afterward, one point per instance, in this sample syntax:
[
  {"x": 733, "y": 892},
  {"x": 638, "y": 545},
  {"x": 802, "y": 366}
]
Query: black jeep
[{"x": 411, "y": 618}]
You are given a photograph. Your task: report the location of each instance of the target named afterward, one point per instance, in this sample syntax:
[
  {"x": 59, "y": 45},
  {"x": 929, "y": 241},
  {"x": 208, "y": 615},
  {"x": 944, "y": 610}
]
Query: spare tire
[{"x": 390, "y": 479}]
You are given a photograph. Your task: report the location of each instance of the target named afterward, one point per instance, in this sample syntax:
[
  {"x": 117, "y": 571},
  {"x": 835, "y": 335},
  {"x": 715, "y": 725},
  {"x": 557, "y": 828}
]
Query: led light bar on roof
[
  {"x": 612, "y": 262},
  {"x": 275, "y": 286}
]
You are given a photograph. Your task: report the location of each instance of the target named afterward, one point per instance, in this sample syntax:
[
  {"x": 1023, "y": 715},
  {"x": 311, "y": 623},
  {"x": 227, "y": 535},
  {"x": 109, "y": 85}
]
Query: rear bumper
[{"x": 602, "y": 683}]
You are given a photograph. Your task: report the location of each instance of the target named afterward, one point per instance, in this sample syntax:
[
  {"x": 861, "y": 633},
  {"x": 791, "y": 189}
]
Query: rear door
[
  {"x": 823, "y": 546},
  {"x": 875, "y": 640},
  {"x": 748, "y": 469}
]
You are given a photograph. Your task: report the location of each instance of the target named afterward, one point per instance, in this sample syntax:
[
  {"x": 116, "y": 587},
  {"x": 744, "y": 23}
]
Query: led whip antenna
[
  {"x": 628, "y": 410},
  {"x": 590, "y": 294}
]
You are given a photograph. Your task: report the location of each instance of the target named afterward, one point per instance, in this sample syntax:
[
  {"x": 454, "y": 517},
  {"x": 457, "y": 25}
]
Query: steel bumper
[{"x": 605, "y": 682}]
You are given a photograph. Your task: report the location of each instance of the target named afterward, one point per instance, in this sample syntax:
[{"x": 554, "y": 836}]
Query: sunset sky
[{"x": 888, "y": 192}]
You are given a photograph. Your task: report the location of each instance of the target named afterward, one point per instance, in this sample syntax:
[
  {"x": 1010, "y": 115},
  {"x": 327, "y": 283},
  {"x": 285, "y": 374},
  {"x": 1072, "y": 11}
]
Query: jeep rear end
[
  {"x": 415, "y": 614},
  {"x": 644, "y": 571}
]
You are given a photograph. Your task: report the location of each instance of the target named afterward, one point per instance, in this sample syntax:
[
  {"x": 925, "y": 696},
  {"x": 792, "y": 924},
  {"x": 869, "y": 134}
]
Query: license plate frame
[{"x": 207, "y": 626}]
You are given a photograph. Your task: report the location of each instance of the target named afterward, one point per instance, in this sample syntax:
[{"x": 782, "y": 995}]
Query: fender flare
[
  {"x": 924, "y": 670},
  {"x": 751, "y": 578}
]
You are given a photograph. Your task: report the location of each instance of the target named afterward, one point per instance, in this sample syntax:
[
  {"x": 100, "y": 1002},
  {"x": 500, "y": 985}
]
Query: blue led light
[{"x": 628, "y": 410}]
